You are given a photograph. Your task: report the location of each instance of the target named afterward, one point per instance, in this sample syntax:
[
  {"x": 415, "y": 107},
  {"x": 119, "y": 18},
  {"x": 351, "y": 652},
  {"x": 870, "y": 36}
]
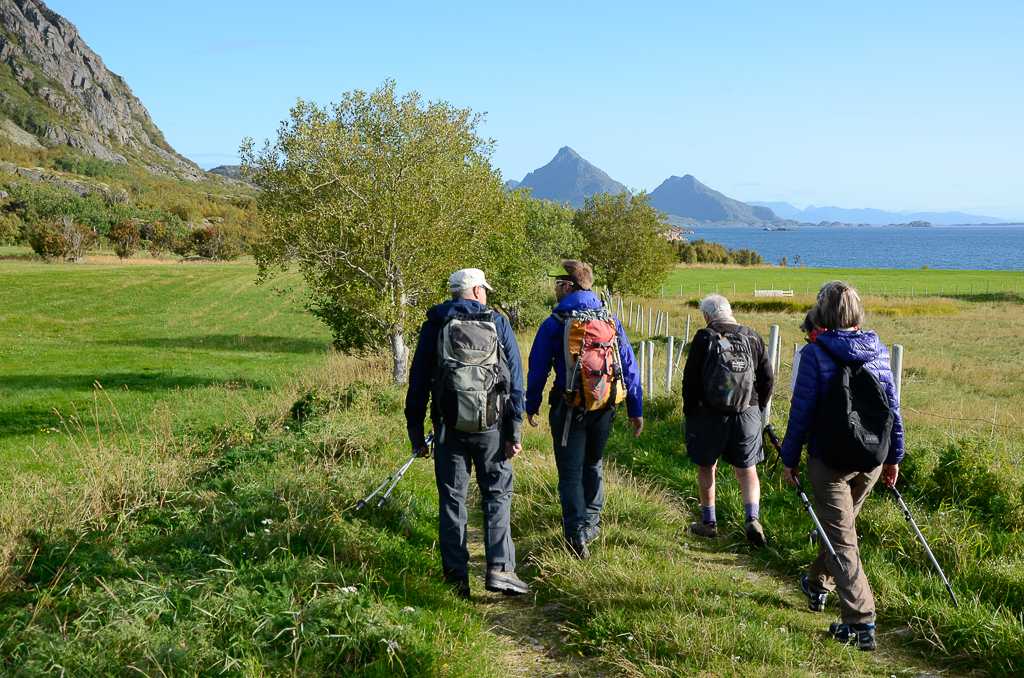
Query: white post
[
  {"x": 668, "y": 368},
  {"x": 897, "y": 369},
  {"x": 666, "y": 323},
  {"x": 778, "y": 355},
  {"x": 650, "y": 317},
  {"x": 773, "y": 345},
  {"x": 680, "y": 291},
  {"x": 642, "y": 361},
  {"x": 657, "y": 324},
  {"x": 662, "y": 291},
  {"x": 650, "y": 367},
  {"x": 682, "y": 345},
  {"x": 630, "y": 314},
  {"x": 686, "y": 339}
]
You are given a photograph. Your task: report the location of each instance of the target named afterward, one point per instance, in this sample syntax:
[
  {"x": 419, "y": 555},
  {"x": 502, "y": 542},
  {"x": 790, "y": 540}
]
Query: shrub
[
  {"x": 166, "y": 235},
  {"x": 47, "y": 240},
  {"x": 125, "y": 238},
  {"x": 216, "y": 242},
  {"x": 10, "y": 228},
  {"x": 90, "y": 167}
]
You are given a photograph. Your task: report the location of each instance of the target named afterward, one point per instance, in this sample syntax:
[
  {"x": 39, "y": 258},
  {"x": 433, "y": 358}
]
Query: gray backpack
[
  {"x": 729, "y": 372},
  {"x": 472, "y": 378}
]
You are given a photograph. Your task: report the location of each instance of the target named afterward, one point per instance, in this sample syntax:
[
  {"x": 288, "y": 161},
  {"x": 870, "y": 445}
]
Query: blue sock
[
  {"x": 707, "y": 513},
  {"x": 753, "y": 511}
]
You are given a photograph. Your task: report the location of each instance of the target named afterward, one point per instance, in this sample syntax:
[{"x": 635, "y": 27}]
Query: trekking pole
[
  {"x": 770, "y": 430},
  {"x": 393, "y": 479},
  {"x": 910, "y": 519}
]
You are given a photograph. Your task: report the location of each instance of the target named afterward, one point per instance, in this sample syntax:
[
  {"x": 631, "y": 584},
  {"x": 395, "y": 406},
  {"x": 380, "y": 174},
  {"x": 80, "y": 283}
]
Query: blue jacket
[
  {"x": 549, "y": 350},
  {"x": 815, "y": 375},
  {"x": 421, "y": 373}
]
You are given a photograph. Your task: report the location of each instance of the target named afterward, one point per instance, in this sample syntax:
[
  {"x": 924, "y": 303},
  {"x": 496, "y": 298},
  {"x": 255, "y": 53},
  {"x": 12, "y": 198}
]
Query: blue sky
[{"x": 891, "y": 105}]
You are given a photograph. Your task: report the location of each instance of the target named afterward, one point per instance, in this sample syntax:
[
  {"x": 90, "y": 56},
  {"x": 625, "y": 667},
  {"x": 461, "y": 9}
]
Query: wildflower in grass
[{"x": 408, "y": 608}]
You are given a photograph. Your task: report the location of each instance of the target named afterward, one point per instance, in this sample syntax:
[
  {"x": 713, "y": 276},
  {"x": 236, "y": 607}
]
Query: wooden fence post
[
  {"x": 897, "y": 369},
  {"x": 773, "y": 345},
  {"x": 668, "y": 368}
]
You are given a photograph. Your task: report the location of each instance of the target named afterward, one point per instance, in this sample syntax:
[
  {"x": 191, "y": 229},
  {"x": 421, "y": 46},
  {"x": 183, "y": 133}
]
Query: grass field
[
  {"x": 212, "y": 540},
  {"x": 197, "y": 339}
]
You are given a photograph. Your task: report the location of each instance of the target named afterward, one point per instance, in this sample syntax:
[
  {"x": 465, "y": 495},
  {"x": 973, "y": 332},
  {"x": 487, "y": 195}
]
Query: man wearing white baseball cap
[{"x": 467, "y": 364}]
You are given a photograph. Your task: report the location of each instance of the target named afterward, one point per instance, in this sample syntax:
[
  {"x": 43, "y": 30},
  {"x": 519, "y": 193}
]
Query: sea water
[{"x": 996, "y": 248}]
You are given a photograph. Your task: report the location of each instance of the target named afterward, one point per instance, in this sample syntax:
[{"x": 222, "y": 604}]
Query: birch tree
[{"x": 377, "y": 199}]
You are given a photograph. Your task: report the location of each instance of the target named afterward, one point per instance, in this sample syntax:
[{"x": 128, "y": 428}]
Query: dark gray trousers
[
  {"x": 453, "y": 462},
  {"x": 579, "y": 463}
]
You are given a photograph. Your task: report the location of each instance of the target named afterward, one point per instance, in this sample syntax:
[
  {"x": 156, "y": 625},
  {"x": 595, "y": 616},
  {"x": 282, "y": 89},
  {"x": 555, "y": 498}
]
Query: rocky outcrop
[
  {"x": 82, "y": 188},
  {"x": 104, "y": 119}
]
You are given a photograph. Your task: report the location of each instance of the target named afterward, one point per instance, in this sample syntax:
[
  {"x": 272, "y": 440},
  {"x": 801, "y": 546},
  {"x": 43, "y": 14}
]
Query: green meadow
[
  {"x": 205, "y": 532},
  {"x": 198, "y": 339}
]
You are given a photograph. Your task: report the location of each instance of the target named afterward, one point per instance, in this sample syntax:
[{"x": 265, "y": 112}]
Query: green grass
[
  {"x": 197, "y": 340},
  {"x": 153, "y": 556},
  {"x": 903, "y": 282}
]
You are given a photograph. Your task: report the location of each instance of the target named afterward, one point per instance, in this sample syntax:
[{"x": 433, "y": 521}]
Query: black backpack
[
  {"x": 853, "y": 422},
  {"x": 471, "y": 378},
  {"x": 728, "y": 373}
]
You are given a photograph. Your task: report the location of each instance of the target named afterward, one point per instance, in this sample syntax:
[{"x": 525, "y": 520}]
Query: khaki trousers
[{"x": 838, "y": 496}]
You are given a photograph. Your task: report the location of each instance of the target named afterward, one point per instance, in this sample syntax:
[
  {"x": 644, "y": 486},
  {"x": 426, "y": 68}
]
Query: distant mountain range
[
  {"x": 568, "y": 178},
  {"x": 872, "y": 216}
]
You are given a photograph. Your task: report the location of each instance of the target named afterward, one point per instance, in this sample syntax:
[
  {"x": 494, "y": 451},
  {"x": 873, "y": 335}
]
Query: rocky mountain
[
  {"x": 55, "y": 91},
  {"x": 691, "y": 202},
  {"x": 874, "y": 217},
  {"x": 569, "y": 178}
]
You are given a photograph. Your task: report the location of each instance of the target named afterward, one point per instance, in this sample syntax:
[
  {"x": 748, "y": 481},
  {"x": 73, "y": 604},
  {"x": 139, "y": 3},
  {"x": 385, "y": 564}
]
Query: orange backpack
[{"x": 593, "y": 368}]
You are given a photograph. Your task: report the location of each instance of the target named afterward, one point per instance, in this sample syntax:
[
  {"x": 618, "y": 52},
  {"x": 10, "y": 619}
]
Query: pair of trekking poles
[
  {"x": 393, "y": 478},
  {"x": 769, "y": 430}
]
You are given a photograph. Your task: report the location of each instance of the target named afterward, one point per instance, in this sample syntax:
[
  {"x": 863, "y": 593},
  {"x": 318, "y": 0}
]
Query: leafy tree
[
  {"x": 532, "y": 237},
  {"x": 625, "y": 241},
  {"x": 167, "y": 234},
  {"x": 46, "y": 239},
  {"x": 377, "y": 199},
  {"x": 79, "y": 237},
  {"x": 125, "y": 238}
]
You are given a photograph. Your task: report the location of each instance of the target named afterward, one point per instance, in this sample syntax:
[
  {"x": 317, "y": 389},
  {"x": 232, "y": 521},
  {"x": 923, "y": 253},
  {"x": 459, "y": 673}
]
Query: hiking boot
[
  {"x": 815, "y": 599},
  {"x": 506, "y": 583},
  {"x": 861, "y": 635},
  {"x": 578, "y": 547},
  {"x": 460, "y": 587},
  {"x": 755, "y": 535},
  {"x": 591, "y": 533},
  {"x": 705, "y": 528}
]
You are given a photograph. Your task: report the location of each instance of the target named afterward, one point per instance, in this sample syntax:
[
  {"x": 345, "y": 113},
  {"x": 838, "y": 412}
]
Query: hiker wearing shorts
[
  {"x": 583, "y": 401},
  {"x": 726, "y": 423},
  {"x": 462, "y": 335}
]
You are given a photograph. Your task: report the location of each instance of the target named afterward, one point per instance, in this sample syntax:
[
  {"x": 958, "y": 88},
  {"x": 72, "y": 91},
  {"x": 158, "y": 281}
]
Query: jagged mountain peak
[{"x": 569, "y": 178}]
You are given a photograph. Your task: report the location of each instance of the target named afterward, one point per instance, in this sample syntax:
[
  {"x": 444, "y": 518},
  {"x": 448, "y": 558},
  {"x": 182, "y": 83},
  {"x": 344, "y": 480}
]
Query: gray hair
[
  {"x": 838, "y": 306},
  {"x": 716, "y": 306}
]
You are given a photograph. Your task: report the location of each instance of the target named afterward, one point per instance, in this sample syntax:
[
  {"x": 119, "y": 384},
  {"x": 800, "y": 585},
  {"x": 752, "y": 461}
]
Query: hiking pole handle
[
  {"x": 770, "y": 430},
  {"x": 821, "y": 530},
  {"x": 913, "y": 523}
]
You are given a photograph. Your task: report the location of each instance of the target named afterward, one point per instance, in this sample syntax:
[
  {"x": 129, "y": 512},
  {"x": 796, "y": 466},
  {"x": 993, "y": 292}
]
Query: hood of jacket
[
  {"x": 852, "y": 346},
  {"x": 578, "y": 301},
  {"x": 438, "y": 313}
]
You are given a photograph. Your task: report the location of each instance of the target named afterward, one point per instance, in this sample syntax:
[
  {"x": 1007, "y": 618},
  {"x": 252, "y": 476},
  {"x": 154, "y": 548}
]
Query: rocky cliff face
[{"x": 60, "y": 91}]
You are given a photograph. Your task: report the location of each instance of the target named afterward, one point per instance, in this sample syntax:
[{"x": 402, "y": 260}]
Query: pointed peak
[{"x": 566, "y": 152}]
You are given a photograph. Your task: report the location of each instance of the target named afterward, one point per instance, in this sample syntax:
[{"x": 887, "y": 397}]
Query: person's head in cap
[
  {"x": 578, "y": 276},
  {"x": 468, "y": 283}
]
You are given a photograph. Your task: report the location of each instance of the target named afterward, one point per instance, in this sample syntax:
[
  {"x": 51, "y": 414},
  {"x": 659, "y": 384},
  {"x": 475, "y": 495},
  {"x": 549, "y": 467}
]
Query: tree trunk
[{"x": 400, "y": 351}]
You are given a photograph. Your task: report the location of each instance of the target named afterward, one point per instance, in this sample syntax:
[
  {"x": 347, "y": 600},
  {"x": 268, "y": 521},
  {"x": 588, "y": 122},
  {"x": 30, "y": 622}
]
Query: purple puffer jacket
[{"x": 815, "y": 375}]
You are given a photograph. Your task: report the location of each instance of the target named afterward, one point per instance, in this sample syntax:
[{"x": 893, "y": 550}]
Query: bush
[
  {"x": 10, "y": 228},
  {"x": 166, "y": 235},
  {"x": 216, "y": 242},
  {"x": 704, "y": 252},
  {"x": 47, "y": 240},
  {"x": 125, "y": 238}
]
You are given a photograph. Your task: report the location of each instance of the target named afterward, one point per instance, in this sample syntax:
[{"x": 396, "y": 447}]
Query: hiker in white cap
[{"x": 467, "y": 365}]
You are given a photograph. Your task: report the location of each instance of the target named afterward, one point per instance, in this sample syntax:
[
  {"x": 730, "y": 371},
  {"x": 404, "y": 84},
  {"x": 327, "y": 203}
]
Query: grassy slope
[{"x": 198, "y": 339}]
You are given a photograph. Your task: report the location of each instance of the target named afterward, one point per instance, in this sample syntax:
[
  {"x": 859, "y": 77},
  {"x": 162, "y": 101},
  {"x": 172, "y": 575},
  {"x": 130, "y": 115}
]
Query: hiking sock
[
  {"x": 707, "y": 513},
  {"x": 752, "y": 511}
]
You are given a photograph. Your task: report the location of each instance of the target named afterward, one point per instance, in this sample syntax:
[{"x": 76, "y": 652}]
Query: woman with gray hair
[{"x": 838, "y": 493}]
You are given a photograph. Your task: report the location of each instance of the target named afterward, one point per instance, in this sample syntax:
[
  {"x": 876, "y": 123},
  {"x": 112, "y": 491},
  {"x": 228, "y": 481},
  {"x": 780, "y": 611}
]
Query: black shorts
[{"x": 736, "y": 438}]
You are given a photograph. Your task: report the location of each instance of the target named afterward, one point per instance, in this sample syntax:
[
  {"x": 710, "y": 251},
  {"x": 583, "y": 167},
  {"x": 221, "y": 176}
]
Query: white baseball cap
[{"x": 466, "y": 279}]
